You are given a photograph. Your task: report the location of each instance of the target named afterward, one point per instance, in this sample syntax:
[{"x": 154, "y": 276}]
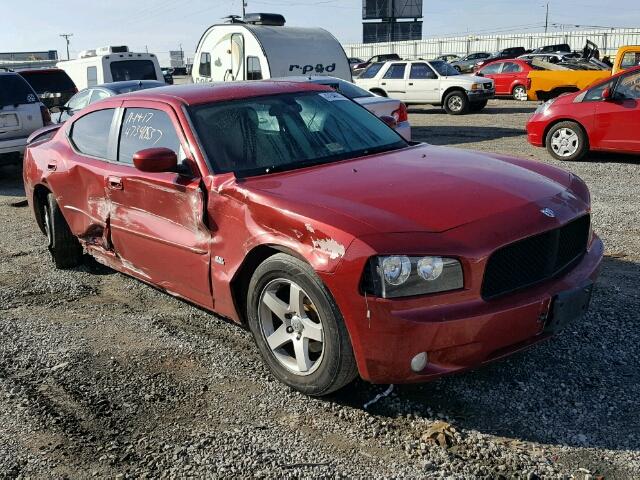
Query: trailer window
[
  {"x": 254, "y": 71},
  {"x": 205, "y": 64},
  {"x": 133, "y": 70},
  {"x": 92, "y": 76}
]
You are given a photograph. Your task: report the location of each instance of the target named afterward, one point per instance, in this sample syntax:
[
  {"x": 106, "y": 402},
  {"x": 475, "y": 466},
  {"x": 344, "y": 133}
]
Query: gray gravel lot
[{"x": 101, "y": 375}]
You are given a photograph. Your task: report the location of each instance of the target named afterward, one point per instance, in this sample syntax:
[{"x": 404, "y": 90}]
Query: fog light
[{"x": 419, "y": 362}]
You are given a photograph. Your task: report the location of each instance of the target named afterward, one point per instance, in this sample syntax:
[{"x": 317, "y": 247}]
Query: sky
[{"x": 164, "y": 25}]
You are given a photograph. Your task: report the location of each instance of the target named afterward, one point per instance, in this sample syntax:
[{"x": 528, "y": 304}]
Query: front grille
[
  {"x": 535, "y": 259},
  {"x": 488, "y": 86}
]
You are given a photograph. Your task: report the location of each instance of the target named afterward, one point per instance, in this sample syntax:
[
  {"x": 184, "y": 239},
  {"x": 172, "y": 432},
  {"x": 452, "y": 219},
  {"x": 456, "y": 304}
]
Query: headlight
[
  {"x": 545, "y": 106},
  {"x": 476, "y": 86},
  {"x": 402, "y": 276}
]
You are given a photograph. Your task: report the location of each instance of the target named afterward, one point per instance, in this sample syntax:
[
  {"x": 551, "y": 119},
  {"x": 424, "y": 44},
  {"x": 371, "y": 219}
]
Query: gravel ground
[{"x": 101, "y": 375}]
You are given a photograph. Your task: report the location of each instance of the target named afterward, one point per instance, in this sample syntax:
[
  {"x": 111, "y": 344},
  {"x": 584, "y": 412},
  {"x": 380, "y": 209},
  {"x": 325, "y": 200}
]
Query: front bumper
[
  {"x": 456, "y": 335},
  {"x": 535, "y": 131},
  {"x": 481, "y": 95}
]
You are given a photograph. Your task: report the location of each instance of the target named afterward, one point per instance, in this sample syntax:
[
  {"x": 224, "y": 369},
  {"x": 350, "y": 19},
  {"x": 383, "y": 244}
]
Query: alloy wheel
[
  {"x": 455, "y": 103},
  {"x": 565, "y": 142},
  {"x": 520, "y": 93},
  {"x": 291, "y": 326}
]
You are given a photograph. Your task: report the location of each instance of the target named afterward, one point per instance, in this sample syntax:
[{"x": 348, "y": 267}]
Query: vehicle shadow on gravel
[
  {"x": 579, "y": 389},
  {"x": 488, "y": 110},
  {"x": 610, "y": 157},
  {"x": 447, "y": 135},
  {"x": 11, "y": 181}
]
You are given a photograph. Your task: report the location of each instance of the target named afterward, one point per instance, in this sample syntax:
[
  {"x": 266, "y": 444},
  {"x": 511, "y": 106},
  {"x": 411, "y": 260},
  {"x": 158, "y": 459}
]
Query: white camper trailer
[
  {"x": 261, "y": 47},
  {"x": 111, "y": 64}
]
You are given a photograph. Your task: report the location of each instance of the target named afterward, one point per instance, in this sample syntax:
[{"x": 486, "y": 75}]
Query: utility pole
[
  {"x": 66, "y": 37},
  {"x": 181, "y": 56},
  {"x": 546, "y": 22},
  {"x": 244, "y": 8}
]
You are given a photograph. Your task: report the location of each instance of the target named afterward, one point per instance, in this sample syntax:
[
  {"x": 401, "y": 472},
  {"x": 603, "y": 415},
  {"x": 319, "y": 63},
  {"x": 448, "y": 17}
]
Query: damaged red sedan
[{"x": 293, "y": 210}]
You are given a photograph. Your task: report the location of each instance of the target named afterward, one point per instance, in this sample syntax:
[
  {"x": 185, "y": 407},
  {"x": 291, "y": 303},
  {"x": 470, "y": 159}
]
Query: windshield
[
  {"x": 133, "y": 70},
  {"x": 347, "y": 89},
  {"x": 14, "y": 90},
  {"x": 52, "y": 81},
  {"x": 444, "y": 69},
  {"x": 282, "y": 132}
]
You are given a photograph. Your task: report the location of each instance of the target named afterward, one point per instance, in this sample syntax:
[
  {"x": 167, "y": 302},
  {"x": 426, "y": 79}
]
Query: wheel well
[
  {"x": 551, "y": 125},
  {"x": 379, "y": 91},
  {"x": 451, "y": 90},
  {"x": 518, "y": 85},
  {"x": 240, "y": 281},
  {"x": 40, "y": 193}
]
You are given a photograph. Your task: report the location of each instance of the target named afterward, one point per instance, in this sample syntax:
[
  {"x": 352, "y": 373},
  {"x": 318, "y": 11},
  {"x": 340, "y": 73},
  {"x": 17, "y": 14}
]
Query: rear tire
[
  {"x": 63, "y": 245},
  {"x": 301, "y": 336},
  {"x": 456, "y": 103},
  {"x": 520, "y": 93},
  {"x": 567, "y": 141}
]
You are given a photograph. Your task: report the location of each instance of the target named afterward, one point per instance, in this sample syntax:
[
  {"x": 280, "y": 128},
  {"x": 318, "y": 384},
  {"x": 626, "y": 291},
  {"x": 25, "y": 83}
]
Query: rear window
[
  {"x": 347, "y": 89},
  {"x": 133, "y": 70},
  {"x": 54, "y": 81},
  {"x": 14, "y": 90}
]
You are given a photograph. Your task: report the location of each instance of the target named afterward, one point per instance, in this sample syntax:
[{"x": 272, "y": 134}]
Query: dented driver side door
[{"x": 157, "y": 219}]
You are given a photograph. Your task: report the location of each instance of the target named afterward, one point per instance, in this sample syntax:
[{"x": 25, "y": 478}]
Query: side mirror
[
  {"x": 156, "y": 160},
  {"x": 606, "y": 94},
  {"x": 389, "y": 121},
  {"x": 479, "y": 74}
]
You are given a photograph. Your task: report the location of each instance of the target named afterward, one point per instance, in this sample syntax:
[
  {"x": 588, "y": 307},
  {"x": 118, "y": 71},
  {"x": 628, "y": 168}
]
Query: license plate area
[{"x": 568, "y": 307}]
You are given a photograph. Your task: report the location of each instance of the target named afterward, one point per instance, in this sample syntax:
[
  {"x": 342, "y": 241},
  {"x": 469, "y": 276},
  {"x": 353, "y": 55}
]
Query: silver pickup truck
[{"x": 21, "y": 113}]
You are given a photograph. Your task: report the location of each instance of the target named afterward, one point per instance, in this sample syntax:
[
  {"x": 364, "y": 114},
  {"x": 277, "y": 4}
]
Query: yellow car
[{"x": 547, "y": 84}]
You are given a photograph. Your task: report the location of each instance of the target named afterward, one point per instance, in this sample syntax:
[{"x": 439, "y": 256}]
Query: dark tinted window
[
  {"x": 144, "y": 128},
  {"x": 628, "y": 87},
  {"x": 133, "y": 70},
  {"x": 53, "y": 81},
  {"x": 372, "y": 71},
  {"x": 14, "y": 90},
  {"x": 511, "y": 67},
  {"x": 422, "y": 71},
  {"x": 90, "y": 133},
  {"x": 205, "y": 64},
  {"x": 395, "y": 71},
  {"x": 254, "y": 71}
]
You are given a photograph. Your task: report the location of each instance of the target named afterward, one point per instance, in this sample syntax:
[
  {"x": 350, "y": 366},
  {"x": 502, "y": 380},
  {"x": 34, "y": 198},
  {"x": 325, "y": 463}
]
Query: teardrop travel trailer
[{"x": 261, "y": 47}]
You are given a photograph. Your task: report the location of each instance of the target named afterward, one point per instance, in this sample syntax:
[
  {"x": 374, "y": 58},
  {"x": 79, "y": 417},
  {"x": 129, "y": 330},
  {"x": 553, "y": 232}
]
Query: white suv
[
  {"x": 21, "y": 113},
  {"x": 428, "y": 82}
]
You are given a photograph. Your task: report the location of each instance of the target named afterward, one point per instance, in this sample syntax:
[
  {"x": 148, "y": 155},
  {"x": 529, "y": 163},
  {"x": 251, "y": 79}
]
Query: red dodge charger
[{"x": 291, "y": 209}]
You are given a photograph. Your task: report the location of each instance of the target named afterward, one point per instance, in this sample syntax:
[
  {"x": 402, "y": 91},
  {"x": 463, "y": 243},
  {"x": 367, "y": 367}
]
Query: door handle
[
  {"x": 52, "y": 166},
  {"x": 383, "y": 83},
  {"x": 114, "y": 183},
  {"x": 411, "y": 84}
]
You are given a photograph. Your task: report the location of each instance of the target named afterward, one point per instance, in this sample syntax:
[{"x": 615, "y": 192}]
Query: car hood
[
  {"x": 466, "y": 79},
  {"x": 423, "y": 188}
]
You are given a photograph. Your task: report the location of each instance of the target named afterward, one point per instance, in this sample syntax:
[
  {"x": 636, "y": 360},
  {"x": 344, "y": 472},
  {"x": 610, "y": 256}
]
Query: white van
[
  {"x": 111, "y": 64},
  {"x": 261, "y": 47}
]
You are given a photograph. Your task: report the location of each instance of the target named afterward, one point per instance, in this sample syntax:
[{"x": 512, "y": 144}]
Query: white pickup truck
[{"x": 428, "y": 82}]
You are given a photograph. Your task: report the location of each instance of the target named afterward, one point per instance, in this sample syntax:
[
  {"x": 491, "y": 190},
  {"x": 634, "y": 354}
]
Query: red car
[
  {"x": 509, "y": 77},
  {"x": 345, "y": 249},
  {"x": 604, "y": 116}
]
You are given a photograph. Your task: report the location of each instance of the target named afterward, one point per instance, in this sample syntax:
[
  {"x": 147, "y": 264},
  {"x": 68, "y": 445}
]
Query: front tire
[
  {"x": 298, "y": 327},
  {"x": 456, "y": 103},
  {"x": 567, "y": 141},
  {"x": 63, "y": 245}
]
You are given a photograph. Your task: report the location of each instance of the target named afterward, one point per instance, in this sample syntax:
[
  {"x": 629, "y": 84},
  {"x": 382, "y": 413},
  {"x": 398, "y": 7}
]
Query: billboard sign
[{"x": 377, "y": 9}]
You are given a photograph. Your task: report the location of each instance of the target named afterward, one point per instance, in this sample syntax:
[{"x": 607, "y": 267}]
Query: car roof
[
  {"x": 195, "y": 94},
  {"x": 126, "y": 83},
  {"x": 39, "y": 70}
]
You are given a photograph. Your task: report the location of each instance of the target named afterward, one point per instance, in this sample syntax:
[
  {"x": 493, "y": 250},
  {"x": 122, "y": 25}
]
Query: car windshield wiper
[{"x": 320, "y": 161}]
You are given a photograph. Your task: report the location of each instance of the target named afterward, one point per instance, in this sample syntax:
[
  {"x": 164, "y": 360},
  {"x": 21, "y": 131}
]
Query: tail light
[
  {"x": 401, "y": 114},
  {"x": 46, "y": 116}
]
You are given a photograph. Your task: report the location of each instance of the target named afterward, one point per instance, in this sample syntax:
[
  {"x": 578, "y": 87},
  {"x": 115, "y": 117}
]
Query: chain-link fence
[{"x": 608, "y": 40}]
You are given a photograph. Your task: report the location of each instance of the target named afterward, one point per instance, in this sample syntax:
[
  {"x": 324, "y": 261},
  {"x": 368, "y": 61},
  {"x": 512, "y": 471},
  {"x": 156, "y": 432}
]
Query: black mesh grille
[{"x": 535, "y": 259}]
